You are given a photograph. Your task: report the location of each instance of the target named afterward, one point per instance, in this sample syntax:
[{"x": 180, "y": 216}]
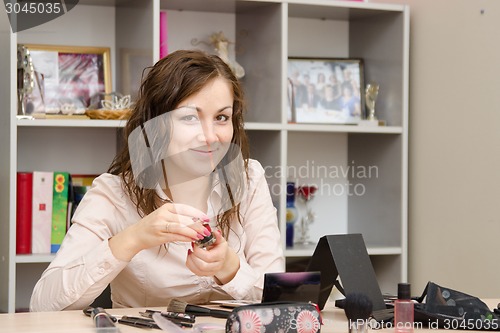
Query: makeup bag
[
  {"x": 288, "y": 317},
  {"x": 451, "y": 309}
]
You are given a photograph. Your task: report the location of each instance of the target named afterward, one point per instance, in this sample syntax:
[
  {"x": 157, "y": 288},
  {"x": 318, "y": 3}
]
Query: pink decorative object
[{"x": 163, "y": 34}]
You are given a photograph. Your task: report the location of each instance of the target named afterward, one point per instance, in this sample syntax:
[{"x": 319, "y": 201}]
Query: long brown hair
[{"x": 170, "y": 81}]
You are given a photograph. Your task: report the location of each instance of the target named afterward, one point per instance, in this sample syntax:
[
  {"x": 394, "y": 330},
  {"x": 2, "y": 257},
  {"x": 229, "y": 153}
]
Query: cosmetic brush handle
[
  {"x": 219, "y": 314},
  {"x": 203, "y": 311}
]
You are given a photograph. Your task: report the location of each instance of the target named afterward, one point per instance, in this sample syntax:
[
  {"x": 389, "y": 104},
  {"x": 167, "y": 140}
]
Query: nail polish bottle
[
  {"x": 207, "y": 240},
  {"x": 403, "y": 310}
]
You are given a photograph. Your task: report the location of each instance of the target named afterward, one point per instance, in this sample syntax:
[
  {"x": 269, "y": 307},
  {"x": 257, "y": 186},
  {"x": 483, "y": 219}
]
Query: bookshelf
[{"x": 266, "y": 34}]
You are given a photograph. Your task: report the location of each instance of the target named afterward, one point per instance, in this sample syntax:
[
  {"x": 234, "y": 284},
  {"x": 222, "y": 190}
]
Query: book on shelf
[
  {"x": 78, "y": 192},
  {"x": 59, "y": 209},
  {"x": 71, "y": 200},
  {"x": 42, "y": 211},
  {"x": 24, "y": 199},
  {"x": 82, "y": 179},
  {"x": 46, "y": 202},
  {"x": 80, "y": 184}
]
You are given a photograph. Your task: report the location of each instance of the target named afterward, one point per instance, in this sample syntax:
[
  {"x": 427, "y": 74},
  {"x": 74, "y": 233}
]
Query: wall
[{"x": 454, "y": 178}]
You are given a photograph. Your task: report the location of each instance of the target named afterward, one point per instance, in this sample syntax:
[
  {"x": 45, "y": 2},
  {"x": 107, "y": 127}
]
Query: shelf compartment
[
  {"x": 76, "y": 150},
  {"x": 373, "y": 32},
  {"x": 379, "y": 212}
]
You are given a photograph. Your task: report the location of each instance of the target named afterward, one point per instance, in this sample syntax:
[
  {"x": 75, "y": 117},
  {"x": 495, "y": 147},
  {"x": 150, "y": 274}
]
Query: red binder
[{"x": 24, "y": 211}]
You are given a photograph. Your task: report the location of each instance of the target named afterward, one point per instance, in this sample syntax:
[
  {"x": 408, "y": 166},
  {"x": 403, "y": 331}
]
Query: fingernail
[
  {"x": 207, "y": 232},
  {"x": 200, "y": 236},
  {"x": 189, "y": 251}
]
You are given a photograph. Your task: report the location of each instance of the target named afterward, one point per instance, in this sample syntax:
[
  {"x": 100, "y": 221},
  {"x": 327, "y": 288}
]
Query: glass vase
[{"x": 306, "y": 193}]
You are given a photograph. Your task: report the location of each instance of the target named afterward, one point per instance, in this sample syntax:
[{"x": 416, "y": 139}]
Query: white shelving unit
[{"x": 266, "y": 34}]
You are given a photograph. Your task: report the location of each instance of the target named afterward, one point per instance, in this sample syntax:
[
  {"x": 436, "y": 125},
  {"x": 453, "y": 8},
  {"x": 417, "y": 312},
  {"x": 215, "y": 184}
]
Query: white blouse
[{"x": 85, "y": 265}]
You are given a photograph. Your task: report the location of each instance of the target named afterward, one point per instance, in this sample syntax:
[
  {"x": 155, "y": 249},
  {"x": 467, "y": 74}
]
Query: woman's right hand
[{"x": 169, "y": 223}]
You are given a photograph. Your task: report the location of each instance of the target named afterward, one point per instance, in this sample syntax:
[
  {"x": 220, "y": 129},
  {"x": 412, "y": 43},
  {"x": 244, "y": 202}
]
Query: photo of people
[{"x": 325, "y": 91}]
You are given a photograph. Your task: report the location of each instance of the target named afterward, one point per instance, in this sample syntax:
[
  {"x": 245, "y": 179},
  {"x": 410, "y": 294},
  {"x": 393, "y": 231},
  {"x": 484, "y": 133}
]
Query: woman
[{"x": 183, "y": 172}]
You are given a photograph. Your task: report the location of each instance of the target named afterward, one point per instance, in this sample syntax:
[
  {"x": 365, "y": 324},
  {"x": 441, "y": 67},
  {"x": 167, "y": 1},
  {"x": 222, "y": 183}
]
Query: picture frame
[
  {"x": 68, "y": 77},
  {"x": 325, "y": 90},
  {"x": 135, "y": 64}
]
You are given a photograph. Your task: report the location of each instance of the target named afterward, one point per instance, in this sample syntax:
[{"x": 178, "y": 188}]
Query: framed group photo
[{"x": 325, "y": 90}]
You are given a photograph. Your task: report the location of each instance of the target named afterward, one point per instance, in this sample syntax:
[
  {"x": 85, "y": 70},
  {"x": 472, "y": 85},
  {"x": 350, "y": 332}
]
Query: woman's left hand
[{"x": 217, "y": 260}]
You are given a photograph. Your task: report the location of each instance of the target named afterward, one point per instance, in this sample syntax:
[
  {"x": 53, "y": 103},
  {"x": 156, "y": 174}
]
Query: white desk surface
[
  {"x": 76, "y": 321},
  {"x": 334, "y": 321}
]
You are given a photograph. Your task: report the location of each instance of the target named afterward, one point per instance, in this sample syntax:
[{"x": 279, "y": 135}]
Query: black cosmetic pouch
[
  {"x": 451, "y": 309},
  {"x": 275, "y": 317}
]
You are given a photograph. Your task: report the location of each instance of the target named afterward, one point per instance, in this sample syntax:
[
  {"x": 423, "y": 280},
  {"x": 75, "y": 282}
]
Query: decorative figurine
[
  {"x": 371, "y": 94},
  {"x": 25, "y": 78},
  {"x": 117, "y": 103},
  {"x": 221, "y": 45}
]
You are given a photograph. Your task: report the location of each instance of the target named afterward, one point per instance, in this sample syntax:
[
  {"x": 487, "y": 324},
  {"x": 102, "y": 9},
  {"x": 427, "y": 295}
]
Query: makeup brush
[
  {"x": 358, "y": 308},
  {"x": 176, "y": 305}
]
